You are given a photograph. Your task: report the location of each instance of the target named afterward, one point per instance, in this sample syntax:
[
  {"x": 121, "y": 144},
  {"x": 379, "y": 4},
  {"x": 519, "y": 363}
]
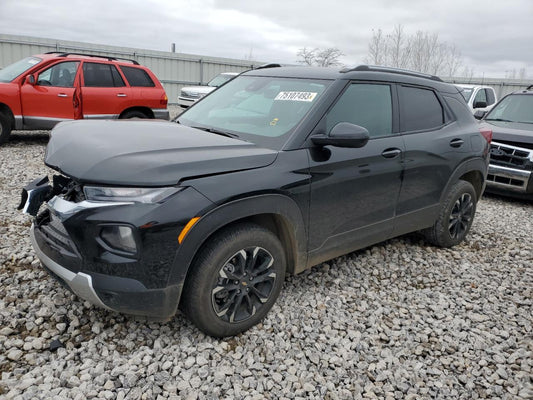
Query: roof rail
[
  {"x": 392, "y": 70},
  {"x": 63, "y": 54},
  {"x": 271, "y": 65}
]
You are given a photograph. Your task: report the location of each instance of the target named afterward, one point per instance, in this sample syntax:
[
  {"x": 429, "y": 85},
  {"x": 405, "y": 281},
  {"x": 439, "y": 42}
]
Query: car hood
[
  {"x": 146, "y": 153},
  {"x": 198, "y": 89},
  {"x": 515, "y": 132}
]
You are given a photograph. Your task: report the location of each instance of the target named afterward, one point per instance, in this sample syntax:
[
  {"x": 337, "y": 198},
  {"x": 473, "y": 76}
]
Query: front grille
[
  {"x": 511, "y": 156},
  {"x": 503, "y": 180},
  {"x": 54, "y": 234}
]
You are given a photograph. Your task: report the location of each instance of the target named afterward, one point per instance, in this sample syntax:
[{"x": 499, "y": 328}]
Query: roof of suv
[{"x": 362, "y": 72}]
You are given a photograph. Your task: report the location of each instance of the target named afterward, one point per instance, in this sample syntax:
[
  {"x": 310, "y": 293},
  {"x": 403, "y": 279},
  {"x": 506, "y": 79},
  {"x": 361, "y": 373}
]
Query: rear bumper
[
  {"x": 508, "y": 179},
  {"x": 161, "y": 113},
  {"x": 112, "y": 293}
]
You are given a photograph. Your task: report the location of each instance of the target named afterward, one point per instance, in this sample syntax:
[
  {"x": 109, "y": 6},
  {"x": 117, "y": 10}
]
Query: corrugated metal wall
[{"x": 174, "y": 70}]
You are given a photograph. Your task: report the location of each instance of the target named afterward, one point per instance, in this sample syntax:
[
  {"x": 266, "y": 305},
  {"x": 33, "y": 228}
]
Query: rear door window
[
  {"x": 420, "y": 109},
  {"x": 137, "y": 77},
  {"x": 101, "y": 75}
]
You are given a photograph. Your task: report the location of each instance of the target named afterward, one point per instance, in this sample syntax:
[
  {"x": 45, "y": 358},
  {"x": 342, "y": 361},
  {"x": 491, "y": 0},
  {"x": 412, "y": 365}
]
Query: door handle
[
  {"x": 391, "y": 153},
  {"x": 456, "y": 142},
  {"x": 121, "y": 95},
  {"x": 62, "y": 95}
]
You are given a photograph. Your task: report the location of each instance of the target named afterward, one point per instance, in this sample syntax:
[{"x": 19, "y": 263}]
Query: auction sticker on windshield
[{"x": 296, "y": 96}]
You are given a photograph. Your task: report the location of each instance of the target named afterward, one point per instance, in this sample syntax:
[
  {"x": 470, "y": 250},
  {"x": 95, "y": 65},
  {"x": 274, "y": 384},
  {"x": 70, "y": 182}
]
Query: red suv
[{"x": 40, "y": 91}]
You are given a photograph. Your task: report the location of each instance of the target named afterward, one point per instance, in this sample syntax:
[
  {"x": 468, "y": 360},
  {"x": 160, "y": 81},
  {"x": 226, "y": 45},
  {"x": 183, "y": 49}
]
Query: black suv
[
  {"x": 511, "y": 154},
  {"x": 276, "y": 171}
]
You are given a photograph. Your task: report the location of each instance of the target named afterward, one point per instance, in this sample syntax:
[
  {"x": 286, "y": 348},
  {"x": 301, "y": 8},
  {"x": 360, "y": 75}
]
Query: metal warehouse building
[{"x": 176, "y": 70}]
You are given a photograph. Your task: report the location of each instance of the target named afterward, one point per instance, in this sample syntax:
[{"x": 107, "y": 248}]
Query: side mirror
[
  {"x": 479, "y": 114},
  {"x": 30, "y": 80},
  {"x": 344, "y": 134},
  {"x": 480, "y": 104}
]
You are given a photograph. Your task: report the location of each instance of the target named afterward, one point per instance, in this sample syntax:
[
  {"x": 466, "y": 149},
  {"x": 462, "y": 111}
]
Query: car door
[
  {"x": 354, "y": 190},
  {"x": 104, "y": 93},
  {"x": 52, "y": 98},
  {"x": 434, "y": 146}
]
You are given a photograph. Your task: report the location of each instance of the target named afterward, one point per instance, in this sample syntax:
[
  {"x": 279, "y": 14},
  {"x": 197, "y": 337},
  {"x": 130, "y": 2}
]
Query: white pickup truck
[{"x": 478, "y": 97}]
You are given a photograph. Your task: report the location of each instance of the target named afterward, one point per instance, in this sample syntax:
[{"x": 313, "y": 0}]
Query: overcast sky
[{"x": 493, "y": 37}]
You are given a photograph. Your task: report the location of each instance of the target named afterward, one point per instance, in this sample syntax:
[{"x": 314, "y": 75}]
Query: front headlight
[{"x": 123, "y": 194}]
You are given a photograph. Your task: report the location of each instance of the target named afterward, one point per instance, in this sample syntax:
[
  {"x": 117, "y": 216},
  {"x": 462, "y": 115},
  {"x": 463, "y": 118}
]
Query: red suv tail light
[
  {"x": 164, "y": 100},
  {"x": 487, "y": 134}
]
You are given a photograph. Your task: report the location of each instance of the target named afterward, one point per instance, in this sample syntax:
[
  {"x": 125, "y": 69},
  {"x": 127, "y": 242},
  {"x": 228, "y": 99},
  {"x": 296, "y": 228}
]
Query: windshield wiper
[
  {"x": 217, "y": 132},
  {"x": 498, "y": 119}
]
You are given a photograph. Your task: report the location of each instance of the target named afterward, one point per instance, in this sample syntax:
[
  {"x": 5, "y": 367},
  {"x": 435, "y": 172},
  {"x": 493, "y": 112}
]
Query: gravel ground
[{"x": 397, "y": 320}]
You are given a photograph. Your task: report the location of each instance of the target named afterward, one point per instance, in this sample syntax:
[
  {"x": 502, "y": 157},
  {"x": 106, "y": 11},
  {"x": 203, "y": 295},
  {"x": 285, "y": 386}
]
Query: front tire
[
  {"x": 456, "y": 216},
  {"x": 5, "y": 128},
  {"x": 235, "y": 280}
]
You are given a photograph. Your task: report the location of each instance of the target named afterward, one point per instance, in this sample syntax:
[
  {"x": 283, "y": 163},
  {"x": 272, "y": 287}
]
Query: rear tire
[
  {"x": 5, "y": 128},
  {"x": 455, "y": 217},
  {"x": 134, "y": 114},
  {"x": 235, "y": 280}
]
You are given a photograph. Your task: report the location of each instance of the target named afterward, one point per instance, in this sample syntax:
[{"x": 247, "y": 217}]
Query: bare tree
[
  {"x": 453, "y": 61},
  {"x": 468, "y": 73},
  {"x": 320, "y": 57},
  {"x": 377, "y": 49},
  {"x": 306, "y": 56},
  {"x": 328, "y": 57},
  {"x": 399, "y": 53},
  {"x": 422, "y": 51}
]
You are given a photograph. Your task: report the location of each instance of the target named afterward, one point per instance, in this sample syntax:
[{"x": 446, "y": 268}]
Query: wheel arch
[
  {"x": 145, "y": 110},
  {"x": 6, "y": 110},
  {"x": 473, "y": 171},
  {"x": 277, "y": 213}
]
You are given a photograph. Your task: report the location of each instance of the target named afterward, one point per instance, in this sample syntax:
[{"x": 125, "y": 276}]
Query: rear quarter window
[
  {"x": 420, "y": 109},
  {"x": 137, "y": 77}
]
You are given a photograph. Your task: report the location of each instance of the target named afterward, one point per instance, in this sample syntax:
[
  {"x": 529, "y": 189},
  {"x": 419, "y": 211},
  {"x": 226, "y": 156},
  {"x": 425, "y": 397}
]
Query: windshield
[
  {"x": 10, "y": 72},
  {"x": 513, "y": 108},
  {"x": 466, "y": 92},
  {"x": 219, "y": 80},
  {"x": 262, "y": 110}
]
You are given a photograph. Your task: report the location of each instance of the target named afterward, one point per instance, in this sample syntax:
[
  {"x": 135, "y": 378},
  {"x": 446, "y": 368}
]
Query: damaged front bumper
[
  {"x": 79, "y": 283},
  {"x": 65, "y": 237}
]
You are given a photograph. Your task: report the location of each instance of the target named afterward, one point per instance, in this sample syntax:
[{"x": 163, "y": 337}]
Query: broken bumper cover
[
  {"x": 119, "y": 294},
  {"x": 80, "y": 283}
]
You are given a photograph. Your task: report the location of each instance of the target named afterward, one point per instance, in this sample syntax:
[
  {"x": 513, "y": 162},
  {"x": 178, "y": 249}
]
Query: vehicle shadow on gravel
[
  {"x": 507, "y": 199},
  {"x": 24, "y": 137}
]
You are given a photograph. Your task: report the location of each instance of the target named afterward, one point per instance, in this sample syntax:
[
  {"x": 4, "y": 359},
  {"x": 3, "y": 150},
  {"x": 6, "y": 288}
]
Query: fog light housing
[{"x": 119, "y": 237}]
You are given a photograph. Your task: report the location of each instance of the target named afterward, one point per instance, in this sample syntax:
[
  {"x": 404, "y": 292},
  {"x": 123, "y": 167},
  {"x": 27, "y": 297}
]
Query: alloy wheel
[
  {"x": 461, "y": 216},
  {"x": 244, "y": 284}
]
